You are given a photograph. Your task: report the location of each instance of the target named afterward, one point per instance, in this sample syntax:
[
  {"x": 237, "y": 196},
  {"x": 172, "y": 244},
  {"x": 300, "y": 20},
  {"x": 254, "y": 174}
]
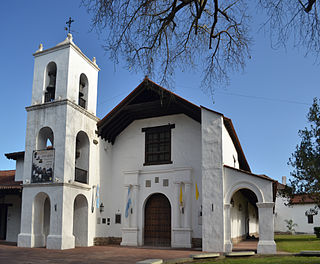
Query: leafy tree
[
  {"x": 306, "y": 158},
  {"x": 158, "y": 36}
]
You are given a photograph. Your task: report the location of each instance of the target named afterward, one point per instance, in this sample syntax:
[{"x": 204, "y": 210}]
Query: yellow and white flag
[
  {"x": 197, "y": 192},
  {"x": 180, "y": 196}
]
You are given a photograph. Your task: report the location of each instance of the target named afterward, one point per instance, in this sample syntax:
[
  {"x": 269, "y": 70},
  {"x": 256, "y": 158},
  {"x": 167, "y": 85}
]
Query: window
[
  {"x": 118, "y": 219},
  {"x": 310, "y": 219},
  {"x": 158, "y": 145}
]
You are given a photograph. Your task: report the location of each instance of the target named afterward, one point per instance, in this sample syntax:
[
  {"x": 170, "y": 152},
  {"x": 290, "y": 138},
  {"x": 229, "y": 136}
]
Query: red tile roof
[
  {"x": 302, "y": 199},
  {"x": 7, "y": 180}
]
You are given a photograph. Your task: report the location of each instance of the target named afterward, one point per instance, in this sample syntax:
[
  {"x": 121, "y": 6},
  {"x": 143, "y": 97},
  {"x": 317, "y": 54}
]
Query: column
[
  {"x": 61, "y": 235},
  {"x": 227, "y": 228},
  {"x": 126, "y": 220},
  {"x": 25, "y": 237},
  {"x": 134, "y": 215},
  {"x": 175, "y": 206},
  {"x": 266, "y": 243},
  {"x": 188, "y": 206}
]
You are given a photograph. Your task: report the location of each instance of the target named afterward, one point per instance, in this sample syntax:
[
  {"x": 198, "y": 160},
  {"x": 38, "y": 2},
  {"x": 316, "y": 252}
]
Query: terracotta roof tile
[
  {"x": 302, "y": 199},
  {"x": 7, "y": 180}
]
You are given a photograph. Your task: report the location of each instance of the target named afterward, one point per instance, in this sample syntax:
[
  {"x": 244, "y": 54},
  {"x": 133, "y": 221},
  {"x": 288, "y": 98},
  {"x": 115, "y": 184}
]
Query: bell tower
[{"x": 60, "y": 143}]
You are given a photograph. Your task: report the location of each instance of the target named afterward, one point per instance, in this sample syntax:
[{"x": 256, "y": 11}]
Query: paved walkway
[
  {"x": 10, "y": 254},
  {"x": 246, "y": 245}
]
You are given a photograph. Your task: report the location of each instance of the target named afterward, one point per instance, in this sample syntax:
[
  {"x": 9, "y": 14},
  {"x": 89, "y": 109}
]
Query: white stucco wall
[
  {"x": 235, "y": 180},
  {"x": 230, "y": 154},
  {"x": 212, "y": 181},
  {"x": 13, "y": 217},
  {"x": 19, "y": 170},
  {"x": 297, "y": 214},
  {"x": 124, "y": 160}
]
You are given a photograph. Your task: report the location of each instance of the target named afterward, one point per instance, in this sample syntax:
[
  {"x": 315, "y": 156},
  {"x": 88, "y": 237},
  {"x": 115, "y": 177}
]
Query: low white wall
[{"x": 297, "y": 214}]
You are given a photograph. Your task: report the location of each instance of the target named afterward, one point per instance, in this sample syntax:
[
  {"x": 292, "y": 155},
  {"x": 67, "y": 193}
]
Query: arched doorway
[
  {"x": 244, "y": 216},
  {"x": 41, "y": 219},
  {"x": 80, "y": 221},
  {"x": 157, "y": 221}
]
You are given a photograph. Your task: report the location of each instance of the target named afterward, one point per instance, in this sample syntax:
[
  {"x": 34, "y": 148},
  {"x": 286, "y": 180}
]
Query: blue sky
[{"x": 267, "y": 103}]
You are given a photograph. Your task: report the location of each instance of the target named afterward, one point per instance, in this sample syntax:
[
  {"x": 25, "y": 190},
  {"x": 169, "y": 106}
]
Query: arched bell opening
[
  {"x": 82, "y": 158},
  {"x": 43, "y": 157},
  {"x": 244, "y": 216},
  {"x": 41, "y": 219},
  {"x": 45, "y": 138},
  {"x": 80, "y": 221},
  {"x": 83, "y": 91},
  {"x": 50, "y": 82},
  {"x": 157, "y": 221}
]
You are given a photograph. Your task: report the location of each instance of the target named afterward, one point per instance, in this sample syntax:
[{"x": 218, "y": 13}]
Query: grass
[
  {"x": 263, "y": 260},
  {"x": 297, "y": 243},
  {"x": 286, "y": 243}
]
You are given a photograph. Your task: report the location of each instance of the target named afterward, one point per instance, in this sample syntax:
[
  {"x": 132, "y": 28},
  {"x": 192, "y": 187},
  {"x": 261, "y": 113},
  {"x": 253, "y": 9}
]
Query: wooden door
[{"x": 157, "y": 221}]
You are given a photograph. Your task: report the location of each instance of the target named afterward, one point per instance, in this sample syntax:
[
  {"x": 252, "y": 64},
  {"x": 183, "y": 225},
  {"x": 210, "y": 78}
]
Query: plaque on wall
[{"x": 42, "y": 165}]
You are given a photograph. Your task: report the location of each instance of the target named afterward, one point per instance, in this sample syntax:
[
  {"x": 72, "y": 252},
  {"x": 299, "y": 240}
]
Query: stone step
[
  {"x": 311, "y": 253},
  {"x": 240, "y": 254},
  {"x": 206, "y": 255},
  {"x": 150, "y": 261}
]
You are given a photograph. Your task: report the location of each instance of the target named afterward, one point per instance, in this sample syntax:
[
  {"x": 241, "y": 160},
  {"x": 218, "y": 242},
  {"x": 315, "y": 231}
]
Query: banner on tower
[{"x": 42, "y": 165}]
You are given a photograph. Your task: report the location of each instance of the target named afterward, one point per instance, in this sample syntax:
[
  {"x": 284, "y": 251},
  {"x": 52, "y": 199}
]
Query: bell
[{"x": 52, "y": 82}]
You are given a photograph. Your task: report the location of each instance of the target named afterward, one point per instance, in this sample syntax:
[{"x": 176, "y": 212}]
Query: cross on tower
[{"x": 69, "y": 23}]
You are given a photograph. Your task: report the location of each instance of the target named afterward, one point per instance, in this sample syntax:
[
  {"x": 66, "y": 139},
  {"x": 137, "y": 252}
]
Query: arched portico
[{"x": 248, "y": 215}]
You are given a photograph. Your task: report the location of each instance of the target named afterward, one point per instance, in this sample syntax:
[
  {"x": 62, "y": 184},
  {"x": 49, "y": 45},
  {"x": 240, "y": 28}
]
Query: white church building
[{"x": 157, "y": 170}]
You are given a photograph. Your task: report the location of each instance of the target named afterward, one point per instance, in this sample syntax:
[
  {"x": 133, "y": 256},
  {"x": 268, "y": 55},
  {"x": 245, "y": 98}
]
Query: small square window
[
  {"x": 103, "y": 221},
  {"x": 148, "y": 183},
  {"x": 118, "y": 219},
  {"x": 310, "y": 219},
  {"x": 156, "y": 179},
  {"x": 165, "y": 182}
]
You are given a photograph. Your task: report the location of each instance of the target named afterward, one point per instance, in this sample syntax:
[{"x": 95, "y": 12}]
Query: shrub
[
  {"x": 317, "y": 231},
  {"x": 291, "y": 225}
]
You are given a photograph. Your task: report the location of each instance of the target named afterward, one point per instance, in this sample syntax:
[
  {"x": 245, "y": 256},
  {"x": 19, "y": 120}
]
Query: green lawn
[
  {"x": 297, "y": 243},
  {"x": 263, "y": 260},
  {"x": 287, "y": 243}
]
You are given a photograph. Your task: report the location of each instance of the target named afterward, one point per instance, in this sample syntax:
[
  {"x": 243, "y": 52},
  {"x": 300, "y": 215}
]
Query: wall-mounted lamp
[
  {"x": 232, "y": 202},
  {"x": 101, "y": 208}
]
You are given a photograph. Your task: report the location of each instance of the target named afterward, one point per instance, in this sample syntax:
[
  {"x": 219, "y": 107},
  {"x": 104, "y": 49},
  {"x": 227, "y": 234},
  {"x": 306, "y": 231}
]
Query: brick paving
[
  {"x": 10, "y": 254},
  {"x": 246, "y": 245}
]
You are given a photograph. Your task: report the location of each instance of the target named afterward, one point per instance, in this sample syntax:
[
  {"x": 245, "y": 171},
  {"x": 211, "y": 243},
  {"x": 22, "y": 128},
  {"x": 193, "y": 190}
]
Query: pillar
[
  {"x": 188, "y": 206},
  {"x": 130, "y": 230},
  {"x": 175, "y": 206},
  {"x": 227, "y": 228},
  {"x": 266, "y": 243},
  {"x": 134, "y": 215}
]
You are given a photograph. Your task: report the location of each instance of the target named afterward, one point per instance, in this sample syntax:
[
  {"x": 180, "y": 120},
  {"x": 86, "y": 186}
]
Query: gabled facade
[{"x": 157, "y": 170}]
